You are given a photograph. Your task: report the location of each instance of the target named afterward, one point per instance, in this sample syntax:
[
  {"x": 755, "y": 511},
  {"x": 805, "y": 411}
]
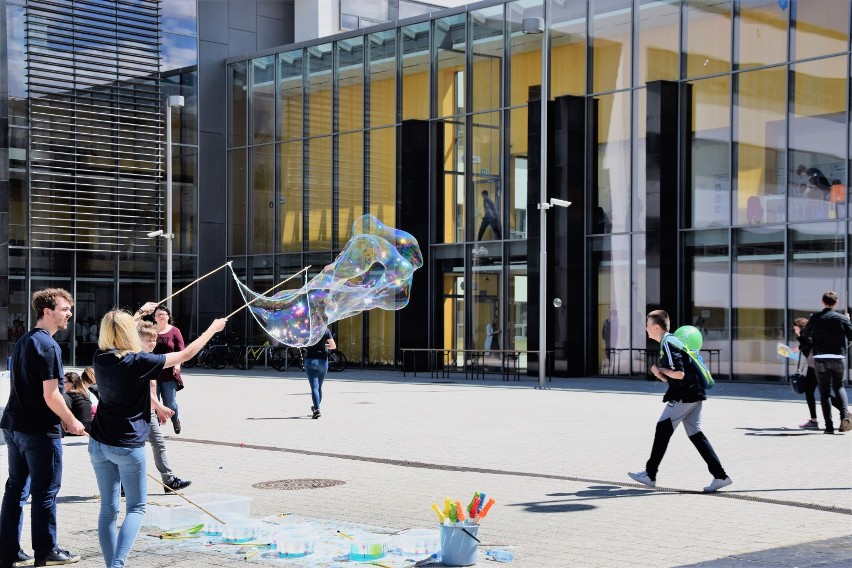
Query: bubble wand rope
[
  {"x": 179, "y": 494},
  {"x": 164, "y": 300},
  {"x": 261, "y": 295}
]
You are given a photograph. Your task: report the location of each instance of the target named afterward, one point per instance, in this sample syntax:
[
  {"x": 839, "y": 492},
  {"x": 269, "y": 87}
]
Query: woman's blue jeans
[
  {"x": 117, "y": 467},
  {"x": 167, "y": 391},
  {"x": 316, "y": 370}
]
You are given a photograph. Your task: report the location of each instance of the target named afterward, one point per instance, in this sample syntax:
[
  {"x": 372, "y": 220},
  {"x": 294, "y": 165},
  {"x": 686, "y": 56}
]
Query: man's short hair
[
  {"x": 829, "y": 299},
  {"x": 46, "y": 299},
  {"x": 485, "y": 192},
  {"x": 661, "y": 318},
  {"x": 800, "y": 322}
]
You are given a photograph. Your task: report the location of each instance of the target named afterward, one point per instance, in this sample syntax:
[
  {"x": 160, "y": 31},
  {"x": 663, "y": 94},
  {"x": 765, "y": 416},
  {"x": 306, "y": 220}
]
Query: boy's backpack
[{"x": 696, "y": 359}]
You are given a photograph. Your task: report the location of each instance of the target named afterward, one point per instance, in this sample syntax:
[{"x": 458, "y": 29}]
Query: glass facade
[{"x": 750, "y": 237}]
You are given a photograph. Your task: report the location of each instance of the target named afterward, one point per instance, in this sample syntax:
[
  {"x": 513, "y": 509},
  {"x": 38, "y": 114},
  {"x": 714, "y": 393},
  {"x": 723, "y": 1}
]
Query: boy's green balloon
[{"x": 690, "y": 336}]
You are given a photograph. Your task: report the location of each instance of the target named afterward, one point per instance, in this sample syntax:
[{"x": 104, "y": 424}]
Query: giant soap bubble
[
  {"x": 690, "y": 336},
  {"x": 374, "y": 270}
]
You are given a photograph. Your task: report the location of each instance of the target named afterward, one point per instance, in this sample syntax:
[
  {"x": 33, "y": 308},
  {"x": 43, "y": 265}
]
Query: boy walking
[{"x": 683, "y": 404}]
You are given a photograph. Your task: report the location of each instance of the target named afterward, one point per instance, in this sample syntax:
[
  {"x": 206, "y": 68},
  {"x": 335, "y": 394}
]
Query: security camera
[
  {"x": 153, "y": 234},
  {"x": 559, "y": 202}
]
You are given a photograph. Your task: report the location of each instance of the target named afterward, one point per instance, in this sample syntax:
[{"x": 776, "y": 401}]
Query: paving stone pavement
[{"x": 555, "y": 461}]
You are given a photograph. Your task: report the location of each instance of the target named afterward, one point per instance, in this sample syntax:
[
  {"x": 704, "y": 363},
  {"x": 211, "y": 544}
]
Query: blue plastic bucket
[{"x": 458, "y": 548}]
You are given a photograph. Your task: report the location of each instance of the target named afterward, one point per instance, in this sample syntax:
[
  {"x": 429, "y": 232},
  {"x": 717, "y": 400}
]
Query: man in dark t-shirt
[{"x": 32, "y": 425}]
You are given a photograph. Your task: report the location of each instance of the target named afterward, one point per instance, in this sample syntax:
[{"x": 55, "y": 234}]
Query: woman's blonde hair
[{"x": 118, "y": 331}]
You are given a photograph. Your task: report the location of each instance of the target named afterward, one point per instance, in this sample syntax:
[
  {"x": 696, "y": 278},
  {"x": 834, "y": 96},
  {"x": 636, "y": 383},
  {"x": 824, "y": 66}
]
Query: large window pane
[
  {"x": 525, "y": 51},
  {"x": 611, "y": 45},
  {"x": 611, "y": 280},
  {"x": 821, "y": 27},
  {"x": 290, "y": 196},
  {"x": 382, "y": 77},
  {"x": 350, "y": 80},
  {"x": 659, "y": 35},
  {"x": 320, "y": 77},
  {"x": 518, "y": 135},
  {"x": 450, "y": 50},
  {"x": 381, "y": 154},
  {"x": 350, "y": 338},
  {"x": 486, "y": 73},
  {"x": 612, "y": 191},
  {"x": 516, "y": 333},
  {"x": 238, "y": 103},
  {"x": 263, "y": 99},
  {"x": 415, "y": 71},
  {"x": 184, "y": 119},
  {"x": 454, "y": 182},
  {"x": 94, "y": 296},
  {"x": 816, "y": 266},
  {"x": 16, "y": 48},
  {"x": 758, "y": 315},
  {"x": 350, "y": 182},
  {"x": 319, "y": 191},
  {"x": 567, "y": 48},
  {"x": 707, "y": 259},
  {"x": 487, "y": 186},
  {"x": 759, "y": 130},
  {"x": 381, "y": 337},
  {"x": 818, "y": 130},
  {"x": 290, "y": 77},
  {"x": 710, "y": 168},
  {"x": 18, "y": 194},
  {"x": 262, "y": 198},
  {"x": 184, "y": 196},
  {"x": 237, "y": 210},
  {"x": 707, "y": 37},
  {"x": 638, "y": 214},
  {"x": 761, "y": 33},
  {"x": 487, "y": 300}
]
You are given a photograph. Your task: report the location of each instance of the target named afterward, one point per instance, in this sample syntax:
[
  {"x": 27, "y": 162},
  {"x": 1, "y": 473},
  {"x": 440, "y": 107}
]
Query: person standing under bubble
[
  {"x": 122, "y": 424},
  {"x": 169, "y": 340},
  {"x": 316, "y": 367}
]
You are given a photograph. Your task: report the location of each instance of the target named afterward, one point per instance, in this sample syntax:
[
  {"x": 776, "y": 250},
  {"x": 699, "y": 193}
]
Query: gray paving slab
[{"x": 555, "y": 460}]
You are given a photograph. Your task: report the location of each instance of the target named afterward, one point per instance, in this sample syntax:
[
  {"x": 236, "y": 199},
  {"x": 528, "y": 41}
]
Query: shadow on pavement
[{"x": 831, "y": 553}]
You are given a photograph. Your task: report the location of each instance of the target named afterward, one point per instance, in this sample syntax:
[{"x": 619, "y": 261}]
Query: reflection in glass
[
  {"x": 659, "y": 35},
  {"x": 319, "y": 88},
  {"x": 179, "y": 16},
  {"x": 415, "y": 70},
  {"x": 821, "y": 27},
  {"x": 454, "y": 182},
  {"x": 486, "y": 175},
  {"x": 381, "y": 337},
  {"x": 707, "y": 259},
  {"x": 758, "y": 315},
  {"x": 486, "y": 28},
  {"x": 761, "y": 33},
  {"x": 262, "y": 198},
  {"x": 710, "y": 200},
  {"x": 450, "y": 51},
  {"x": 640, "y": 162},
  {"x": 237, "y": 163},
  {"x": 138, "y": 277},
  {"x": 518, "y": 173},
  {"x": 816, "y": 266},
  {"x": 290, "y": 87},
  {"x": 567, "y": 48},
  {"x": 611, "y": 45},
  {"x": 818, "y": 129},
  {"x": 760, "y": 137},
  {"x": 290, "y": 196},
  {"x": 178, "y": 51},
  {"x": 381, "y": 151},
  {"x": 612, "y": 282},
  {"x": 487, "y": 298},
  {"x": 16, "y": 39},
  {"x": 382, "y": 77},
  {"x": 319, "y": 190},
  {"x": 237, "y": 104},
  {"x": 612, "y": 193},
  {"x": 707, "y": 41},
  {"x": 516, "y": 333},
  {"x": 350, "y": 81},
  {"x": 525, "y": 50},
  {"x": 263, "y": 99},
  {"x": 18, "y": 200},
  {"x": 639, "y": 292},
  {"x": 93, "y": 297},
  {"x": 350, "y": 338},
  {"x": 185, "y": 118},
  {"x": 184, "y": 192},
  {"x": 350, "y": 183}
]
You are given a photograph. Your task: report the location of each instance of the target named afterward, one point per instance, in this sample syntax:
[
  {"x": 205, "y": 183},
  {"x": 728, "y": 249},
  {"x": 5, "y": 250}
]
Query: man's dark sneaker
[
  {"x": 313, "y": 409},
  {"x": 176, "y": 424},
  {"x": 22, "y": 559},
  {"x": 176, "y": 484},
  {"x": 316, "y": 414},
  {"x": 57, "y": 558},
  {"x": 828, "y": 431}
]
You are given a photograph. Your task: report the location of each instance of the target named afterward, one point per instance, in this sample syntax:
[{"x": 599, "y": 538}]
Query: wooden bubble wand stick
[
  {"x": 247, "y": 304},
  {"x": 164, "y": 300}
]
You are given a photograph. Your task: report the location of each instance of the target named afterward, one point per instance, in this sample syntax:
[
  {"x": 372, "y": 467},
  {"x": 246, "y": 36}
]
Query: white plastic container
[
  {"x": 170, "y": 512},
  {"x": 367, "y": 547},
  {"x": 236, "y": 532},
  {"x": 295, "y": 543},
  {"x": 418, "y": 541}
]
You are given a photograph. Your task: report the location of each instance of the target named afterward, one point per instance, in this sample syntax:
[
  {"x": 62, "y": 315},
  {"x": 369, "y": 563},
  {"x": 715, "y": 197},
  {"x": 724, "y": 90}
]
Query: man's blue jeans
[
  {"x": 35, "y": 468},
  {"x": 167, "y": 391},
  {"x": 116, "y": 467},
  {"x": 316, "y": 370}
]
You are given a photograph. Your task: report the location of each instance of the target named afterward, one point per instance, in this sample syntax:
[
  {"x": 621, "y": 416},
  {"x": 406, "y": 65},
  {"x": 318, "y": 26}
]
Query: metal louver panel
[{"x": 96, "y": 123}]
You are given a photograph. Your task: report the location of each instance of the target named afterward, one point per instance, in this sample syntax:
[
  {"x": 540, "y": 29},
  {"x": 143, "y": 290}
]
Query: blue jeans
[
  {"x": 35, "y": 468},
  {"x": 316, "y": 370},
  {"x": 116, "y": 466},
  {"x": 167, "y": 391}
]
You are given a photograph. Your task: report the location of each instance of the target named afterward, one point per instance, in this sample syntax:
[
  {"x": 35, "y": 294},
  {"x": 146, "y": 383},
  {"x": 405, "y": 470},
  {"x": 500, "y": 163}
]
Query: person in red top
[{"x": 169, "y": 340}]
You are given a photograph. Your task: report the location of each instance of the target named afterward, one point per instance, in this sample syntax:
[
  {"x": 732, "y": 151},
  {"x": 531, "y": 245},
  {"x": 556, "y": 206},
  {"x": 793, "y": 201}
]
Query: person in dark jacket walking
[
  {"x": 683, "y": 404},
  {"x": 827, "y": 335}
]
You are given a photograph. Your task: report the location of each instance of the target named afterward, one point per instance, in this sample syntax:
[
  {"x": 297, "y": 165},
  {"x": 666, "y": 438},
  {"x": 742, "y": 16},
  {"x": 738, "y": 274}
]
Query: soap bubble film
[{"x": 374, "y": 270}]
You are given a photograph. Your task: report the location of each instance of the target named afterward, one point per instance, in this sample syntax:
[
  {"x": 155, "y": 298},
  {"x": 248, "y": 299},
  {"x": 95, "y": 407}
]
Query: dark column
[
  {"x": 661, "y": 143},
  {"x": 416, "y": 167},
  {"x": 4, "y": 191}
]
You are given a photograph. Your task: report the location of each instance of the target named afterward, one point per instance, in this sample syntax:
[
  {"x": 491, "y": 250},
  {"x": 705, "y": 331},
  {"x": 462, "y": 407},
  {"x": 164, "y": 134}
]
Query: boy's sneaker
[
  {"x": 22, "y": 559},
  {"x": 810, "y": 424},
  {"x": 717, "y": 484},
  {"x": 845, "y": 425},
  {"x": 176, "y": 484},
  {"x": 643, "y": 478},
  {"x": 57, "y": 558},
  {"x": 316, "y": 414},
  {"x": 176, "y": 425}
]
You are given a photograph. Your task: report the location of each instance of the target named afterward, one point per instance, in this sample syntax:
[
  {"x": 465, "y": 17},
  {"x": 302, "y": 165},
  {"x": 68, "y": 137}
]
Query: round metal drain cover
[{"x": 291, "y": 484}]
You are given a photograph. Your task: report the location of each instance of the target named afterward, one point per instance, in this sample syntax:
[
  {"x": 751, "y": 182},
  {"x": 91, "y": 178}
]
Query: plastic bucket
[{"x": 458, "y": 548}]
